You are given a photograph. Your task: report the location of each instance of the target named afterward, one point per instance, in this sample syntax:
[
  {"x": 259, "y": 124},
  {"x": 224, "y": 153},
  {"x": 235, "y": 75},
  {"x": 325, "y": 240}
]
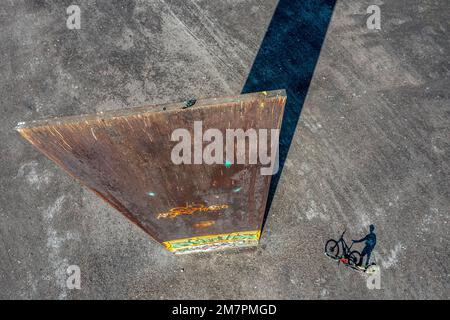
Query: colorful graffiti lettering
[
  {"x": 212, "y": 242},
  {"x": 190, "y": 209},
  {"x": 216, "y": 246}
]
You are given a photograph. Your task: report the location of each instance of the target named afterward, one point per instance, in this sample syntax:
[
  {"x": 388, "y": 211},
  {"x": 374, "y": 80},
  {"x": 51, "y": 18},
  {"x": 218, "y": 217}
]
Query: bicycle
[{"x": 350, "y": 258}]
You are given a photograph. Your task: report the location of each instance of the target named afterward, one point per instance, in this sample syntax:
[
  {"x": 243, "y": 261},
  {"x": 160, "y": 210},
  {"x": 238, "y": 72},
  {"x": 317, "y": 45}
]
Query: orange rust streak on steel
[{"x": 204, "y": 224}]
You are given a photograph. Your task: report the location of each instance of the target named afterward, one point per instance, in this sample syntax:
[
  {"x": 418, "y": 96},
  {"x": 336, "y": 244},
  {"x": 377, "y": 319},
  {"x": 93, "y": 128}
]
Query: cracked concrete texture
[{"x": 372, "y": 146}]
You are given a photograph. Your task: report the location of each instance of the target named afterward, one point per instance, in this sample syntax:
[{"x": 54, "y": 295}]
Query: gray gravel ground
[{"x": 372, "y": 146}]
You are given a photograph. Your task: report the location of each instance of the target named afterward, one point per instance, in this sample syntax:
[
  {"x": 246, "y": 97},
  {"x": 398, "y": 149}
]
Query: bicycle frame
[{"x": 345, "y": 248}]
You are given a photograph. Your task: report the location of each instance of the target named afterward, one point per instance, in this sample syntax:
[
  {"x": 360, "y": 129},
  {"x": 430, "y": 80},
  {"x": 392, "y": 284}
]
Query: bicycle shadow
[
  {"x": 341, "y": 251},
  {"x": 286, "y": 60}
]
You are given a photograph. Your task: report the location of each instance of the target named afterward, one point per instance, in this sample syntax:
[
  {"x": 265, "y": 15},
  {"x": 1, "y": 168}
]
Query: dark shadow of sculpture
[{"x": 286, "y": 60}]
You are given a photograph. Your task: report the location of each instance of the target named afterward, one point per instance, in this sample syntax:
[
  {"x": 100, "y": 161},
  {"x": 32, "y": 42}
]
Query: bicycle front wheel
[{"x": 332, "y": 249}]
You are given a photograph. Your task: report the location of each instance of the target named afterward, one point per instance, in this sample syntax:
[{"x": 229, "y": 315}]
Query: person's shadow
[
  {"x": 286, "y": 60},
  {"x": 370, "y": 241}
]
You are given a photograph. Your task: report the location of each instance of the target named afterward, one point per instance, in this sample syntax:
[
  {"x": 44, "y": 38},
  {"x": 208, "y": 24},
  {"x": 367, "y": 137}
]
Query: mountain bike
[{"x": 348, "y": 257}]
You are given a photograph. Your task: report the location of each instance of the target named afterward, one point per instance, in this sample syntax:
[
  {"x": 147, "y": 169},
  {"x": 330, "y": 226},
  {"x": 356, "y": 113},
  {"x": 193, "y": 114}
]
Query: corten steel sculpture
[{"x": 125, "y": 157}]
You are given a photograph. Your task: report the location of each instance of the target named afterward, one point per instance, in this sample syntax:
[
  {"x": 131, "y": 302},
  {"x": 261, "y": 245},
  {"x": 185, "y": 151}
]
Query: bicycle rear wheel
[{"x": 353, "y": 258}]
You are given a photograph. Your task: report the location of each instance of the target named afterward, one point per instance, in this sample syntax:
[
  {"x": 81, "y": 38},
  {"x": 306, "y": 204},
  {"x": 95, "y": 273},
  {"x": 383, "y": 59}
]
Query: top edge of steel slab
[{"x": 168, "y": 107}]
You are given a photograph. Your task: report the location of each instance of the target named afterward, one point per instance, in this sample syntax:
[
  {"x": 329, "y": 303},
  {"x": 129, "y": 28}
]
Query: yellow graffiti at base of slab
[{"x": 203, "y": 243}]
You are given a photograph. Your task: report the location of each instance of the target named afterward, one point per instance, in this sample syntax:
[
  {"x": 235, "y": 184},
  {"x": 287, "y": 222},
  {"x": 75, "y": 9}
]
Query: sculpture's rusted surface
[{"x": 125, "y": 157}]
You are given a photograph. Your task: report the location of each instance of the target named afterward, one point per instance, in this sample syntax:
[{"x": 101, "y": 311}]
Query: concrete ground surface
[{"x": 371, "y": 147}]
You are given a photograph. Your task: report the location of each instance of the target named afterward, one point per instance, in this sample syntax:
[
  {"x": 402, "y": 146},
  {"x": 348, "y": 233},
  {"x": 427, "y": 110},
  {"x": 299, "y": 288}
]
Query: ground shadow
[
  {"x": 341, "y": 251},
  {"x": 286, "y": 60}
]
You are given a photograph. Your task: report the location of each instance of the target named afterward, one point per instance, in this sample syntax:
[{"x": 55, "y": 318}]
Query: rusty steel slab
[{"x": 124, "y": 156}]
